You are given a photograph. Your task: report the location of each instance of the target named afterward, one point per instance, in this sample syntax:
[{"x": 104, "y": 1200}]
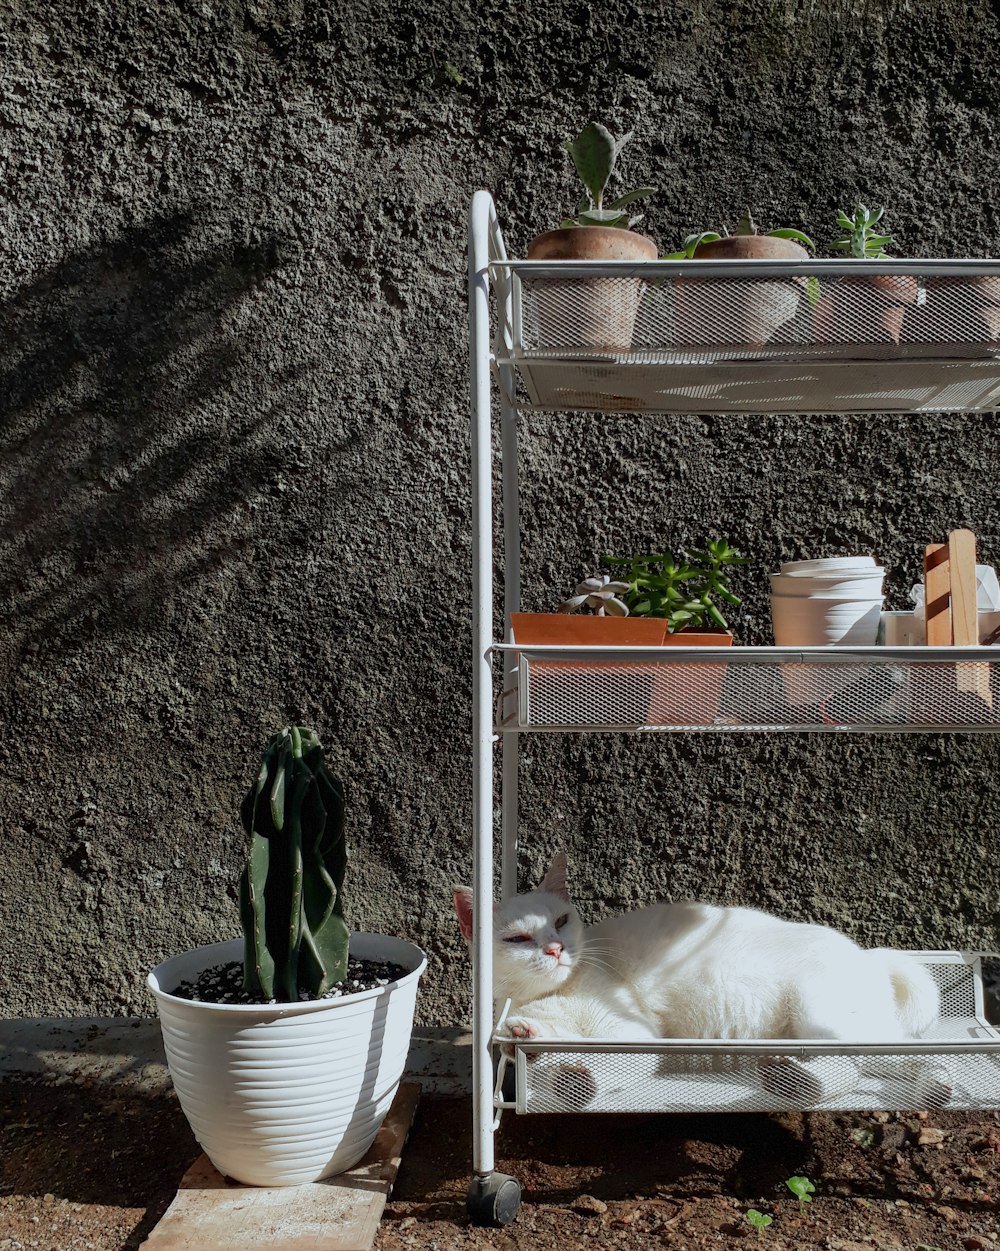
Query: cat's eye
[
  {"x": 518, "y": 938},
  {"x": 561, "y": 921}
]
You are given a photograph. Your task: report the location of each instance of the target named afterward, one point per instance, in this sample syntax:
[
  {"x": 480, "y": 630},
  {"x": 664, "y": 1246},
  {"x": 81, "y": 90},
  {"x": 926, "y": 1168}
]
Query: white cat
[{"x": 688, "y": 970}]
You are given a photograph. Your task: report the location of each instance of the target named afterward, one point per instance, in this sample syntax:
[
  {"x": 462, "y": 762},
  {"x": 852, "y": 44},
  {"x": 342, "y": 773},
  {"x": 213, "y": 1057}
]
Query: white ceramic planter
[
  {"x": 282, "y": 1094},
  {"x": 803, "y": 622}
]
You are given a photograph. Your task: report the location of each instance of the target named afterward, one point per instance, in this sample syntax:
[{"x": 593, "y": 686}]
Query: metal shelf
[
  {"x": 719, "y": 689},
  {"x": 747, "y": 336},
  {"x": 711, "y": 337},
  {"x": 957, "y": 1066}
]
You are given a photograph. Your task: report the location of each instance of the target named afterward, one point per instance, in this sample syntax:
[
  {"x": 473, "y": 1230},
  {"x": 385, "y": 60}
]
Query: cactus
[{"x": 291, "y": 889}]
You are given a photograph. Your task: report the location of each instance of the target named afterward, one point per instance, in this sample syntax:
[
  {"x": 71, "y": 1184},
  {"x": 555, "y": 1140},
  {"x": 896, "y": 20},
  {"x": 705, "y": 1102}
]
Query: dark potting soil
[{"x": 223, "y": 983}]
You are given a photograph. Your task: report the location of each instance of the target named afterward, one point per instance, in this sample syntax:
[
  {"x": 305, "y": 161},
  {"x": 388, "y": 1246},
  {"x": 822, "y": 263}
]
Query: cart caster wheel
[{"x": 493, "y": 1200}]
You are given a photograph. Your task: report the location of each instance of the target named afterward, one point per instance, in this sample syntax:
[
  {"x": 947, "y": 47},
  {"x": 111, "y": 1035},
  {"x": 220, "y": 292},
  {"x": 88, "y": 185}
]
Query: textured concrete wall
[{"x": 234, "y": 472}]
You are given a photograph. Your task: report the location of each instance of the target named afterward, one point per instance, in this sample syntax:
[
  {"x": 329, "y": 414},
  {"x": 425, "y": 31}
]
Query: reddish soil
[{"x": 85, "y": 1168}]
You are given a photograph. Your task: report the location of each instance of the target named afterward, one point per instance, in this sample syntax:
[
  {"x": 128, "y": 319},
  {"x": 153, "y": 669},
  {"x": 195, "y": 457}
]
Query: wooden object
[
  {"x": 341, "y": 1213},
  {"x": 962, "y": 568},
  {"x": 950, "y": 611},
  {"x": 965, "y": 613},
  {"x": 937, "y": 595}
]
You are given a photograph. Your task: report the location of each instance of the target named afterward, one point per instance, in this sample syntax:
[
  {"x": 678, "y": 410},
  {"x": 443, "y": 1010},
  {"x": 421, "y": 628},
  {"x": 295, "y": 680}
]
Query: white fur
[{"x": 688, "y": 970}]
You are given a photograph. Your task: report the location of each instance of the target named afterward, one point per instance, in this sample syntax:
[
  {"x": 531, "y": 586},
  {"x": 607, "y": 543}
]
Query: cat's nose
[{"x": 553, "y": 949}]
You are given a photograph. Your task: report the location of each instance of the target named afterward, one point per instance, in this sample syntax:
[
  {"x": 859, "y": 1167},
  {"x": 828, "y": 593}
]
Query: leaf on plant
[
  {"x": 797, "y": 235},
  {"x": 594, "y": 151},
  {"x": 864, "y": 1136},
  {"x": 802, "y": 1188},
  {"x": 602, "y": 217},
  {"x": 630, "y": 197}
]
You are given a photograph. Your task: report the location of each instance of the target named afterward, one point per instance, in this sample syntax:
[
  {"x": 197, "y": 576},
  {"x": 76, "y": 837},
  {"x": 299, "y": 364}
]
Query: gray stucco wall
[{"x": 234, "y": 471}]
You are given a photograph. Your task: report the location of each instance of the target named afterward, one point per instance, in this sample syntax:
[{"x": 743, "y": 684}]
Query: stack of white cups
[{"x": 823, "y": 603}]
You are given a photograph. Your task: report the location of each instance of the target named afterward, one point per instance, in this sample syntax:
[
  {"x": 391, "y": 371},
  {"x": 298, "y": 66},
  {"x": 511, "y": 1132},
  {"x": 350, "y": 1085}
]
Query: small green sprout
[
  {"x": 864, "y": 1136},
  {"x": 803, "y": 1189},
  {"x": 453, "y": 73},
  {"x": 759, "y": 1220}
]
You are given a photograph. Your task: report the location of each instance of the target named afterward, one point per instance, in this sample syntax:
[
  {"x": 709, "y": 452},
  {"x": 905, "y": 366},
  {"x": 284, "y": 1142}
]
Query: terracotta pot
[
  {"x": 584, "y": 314},
  {"x": 689, "y": 694},
  {"x": 581, "y": 693},
  {"x": 957, "y": 310},
  {"x": 866, "y": 312},
  {"x": 577, "y": 629},
  {"x": 739, "y": 310}
]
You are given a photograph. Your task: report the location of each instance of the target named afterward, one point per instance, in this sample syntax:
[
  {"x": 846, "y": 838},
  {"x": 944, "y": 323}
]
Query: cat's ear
[
  {"x": 554, "y": 880},
  {"x": 463, "y": 910}
]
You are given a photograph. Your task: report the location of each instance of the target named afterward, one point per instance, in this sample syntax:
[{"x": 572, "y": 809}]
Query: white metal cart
[{"x": 691, "y": 339}]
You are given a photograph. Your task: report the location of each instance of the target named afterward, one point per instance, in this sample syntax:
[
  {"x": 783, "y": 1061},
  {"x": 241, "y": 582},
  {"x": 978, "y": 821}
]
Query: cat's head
[{"x": 537, "y": 937}]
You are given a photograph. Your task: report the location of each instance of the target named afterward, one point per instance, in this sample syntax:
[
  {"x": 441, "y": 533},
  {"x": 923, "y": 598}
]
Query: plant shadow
[{"x": 133, "y": 447}]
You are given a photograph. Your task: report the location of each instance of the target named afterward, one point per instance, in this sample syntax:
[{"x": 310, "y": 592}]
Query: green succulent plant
[
  {"x": 685, "y": 590},
  {"x": 291, "y": 889},
  {"x": 595, "y": 153},
  {"x": 746, "y": 226},
  {"x": 860, "y": 238}
]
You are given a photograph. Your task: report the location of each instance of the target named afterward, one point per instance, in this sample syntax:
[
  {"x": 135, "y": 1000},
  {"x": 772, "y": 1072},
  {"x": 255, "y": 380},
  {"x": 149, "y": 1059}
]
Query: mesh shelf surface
[
  {"x": 803, "y": 337},
  {"x": 711, "y": 689},
  {"x": 957, "y": 1067}
]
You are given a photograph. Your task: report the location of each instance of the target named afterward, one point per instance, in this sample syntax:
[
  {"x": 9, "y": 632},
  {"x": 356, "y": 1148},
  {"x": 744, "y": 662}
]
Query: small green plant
[
  {"x": 745, "y": 227},
  {"x": 595, "y": 153},
  {"x": 864, "y": 1136},
  {"x": 860, "y": 239},
  {"x": 803, "y": 1189},
  {"x": 683, "y": 590},
  {"x": 759, "y": 1220},
  {"x": 291, "y": 890},
  {"x": 600, "y": 594}
]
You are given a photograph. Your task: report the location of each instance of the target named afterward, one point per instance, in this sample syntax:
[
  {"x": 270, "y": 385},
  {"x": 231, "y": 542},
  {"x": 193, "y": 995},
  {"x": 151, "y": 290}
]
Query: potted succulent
[
  {"x": 593, "y": 616},
  {"x": 867, "y": 309},
  {"x": 958, "y": 309},
  {"x": 686, "y": 593},
  {"x": 286, "y": 1046},
  {"x": 742, "y": 311},
  {"x": 663, "y": 600},
  {"x": 594, "y": 314}
]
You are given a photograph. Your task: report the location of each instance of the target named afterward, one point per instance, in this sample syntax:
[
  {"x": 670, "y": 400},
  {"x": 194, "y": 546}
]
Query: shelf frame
[{"x": 495, "y": 286}]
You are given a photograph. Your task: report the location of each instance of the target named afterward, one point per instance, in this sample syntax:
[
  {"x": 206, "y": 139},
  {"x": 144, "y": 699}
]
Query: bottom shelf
[{"x": 956, "y": 1066}]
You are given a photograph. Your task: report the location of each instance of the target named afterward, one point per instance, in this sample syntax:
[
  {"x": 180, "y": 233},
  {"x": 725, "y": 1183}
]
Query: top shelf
[{"x": 837, "y": 336}]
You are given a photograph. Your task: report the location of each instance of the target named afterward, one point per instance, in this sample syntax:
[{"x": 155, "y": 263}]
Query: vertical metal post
[
  {"x": 482, "y": 690},
  {"x": 511, "y": 603}
]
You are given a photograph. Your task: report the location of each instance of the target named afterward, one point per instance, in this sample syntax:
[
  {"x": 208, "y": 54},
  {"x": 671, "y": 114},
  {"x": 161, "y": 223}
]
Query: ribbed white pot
[{"x": 287, "y": 1093}]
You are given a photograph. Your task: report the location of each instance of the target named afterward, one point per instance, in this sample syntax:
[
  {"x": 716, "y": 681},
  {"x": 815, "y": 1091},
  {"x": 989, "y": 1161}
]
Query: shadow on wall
[{"x": 122, "y": 472}]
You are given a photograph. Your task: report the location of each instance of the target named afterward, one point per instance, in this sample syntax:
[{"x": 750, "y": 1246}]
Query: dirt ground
[{"x": 83, "y": 1168}]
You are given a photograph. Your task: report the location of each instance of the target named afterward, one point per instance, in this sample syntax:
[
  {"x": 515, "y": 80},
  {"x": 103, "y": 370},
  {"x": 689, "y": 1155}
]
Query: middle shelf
[{"x": 711, "y": 689}]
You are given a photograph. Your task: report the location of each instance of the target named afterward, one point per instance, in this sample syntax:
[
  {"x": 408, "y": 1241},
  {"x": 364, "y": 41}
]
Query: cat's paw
[
  {"x": 790, "y": 1079},
  {"x": 574, "y": 1086},
  {"x": 519, "y": 1028}
]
